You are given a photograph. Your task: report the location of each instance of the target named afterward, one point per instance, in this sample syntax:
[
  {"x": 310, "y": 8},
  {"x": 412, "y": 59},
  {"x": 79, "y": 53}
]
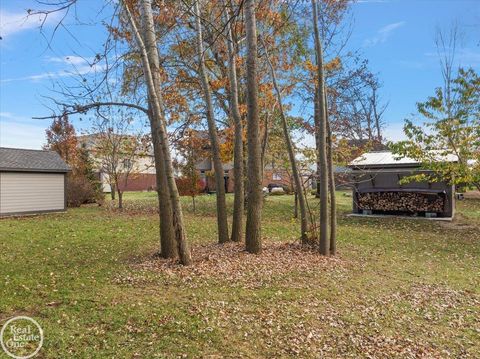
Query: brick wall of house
[
  {"x": 144, "y": 182},
  {"x": 279, "y": 177},
  {"x": 139, "y": 182}
]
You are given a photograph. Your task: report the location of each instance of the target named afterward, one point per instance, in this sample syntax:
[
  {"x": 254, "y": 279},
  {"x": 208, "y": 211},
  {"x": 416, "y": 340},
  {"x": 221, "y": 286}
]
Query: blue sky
[{"x": 396, "y": 37}]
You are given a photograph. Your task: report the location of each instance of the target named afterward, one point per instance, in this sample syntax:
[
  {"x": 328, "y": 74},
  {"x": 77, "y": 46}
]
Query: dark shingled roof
[{"x": 16, "y": 159}]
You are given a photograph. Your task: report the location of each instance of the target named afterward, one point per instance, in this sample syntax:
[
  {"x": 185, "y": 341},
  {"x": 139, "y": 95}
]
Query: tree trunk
[
  {"x": 253, "y": 237},
  {"x": 331, "y": 185},
  {"x": 150, "y": 65},
  {"x": 239, "y": 196},
  {"x": 222, "y": 223},
  {"x": 113, "y": 189},
  {"x": 322, "y": 133},
  {"x": 316, "y": 118},
  {"x": 120, "y": 198},
  {"x": 295, "y": 208},
  {"x": 376, "y": 116},
  {"x": 168, "y": 249},
  {"x": 291, "y": 154}
]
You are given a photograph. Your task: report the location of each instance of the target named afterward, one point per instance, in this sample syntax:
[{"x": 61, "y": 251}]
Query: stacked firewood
[{"x": 401, "y": 201}]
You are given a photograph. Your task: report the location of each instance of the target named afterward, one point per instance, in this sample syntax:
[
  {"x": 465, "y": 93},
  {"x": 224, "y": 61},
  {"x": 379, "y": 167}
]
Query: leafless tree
[{"x": 117, "y": 149}]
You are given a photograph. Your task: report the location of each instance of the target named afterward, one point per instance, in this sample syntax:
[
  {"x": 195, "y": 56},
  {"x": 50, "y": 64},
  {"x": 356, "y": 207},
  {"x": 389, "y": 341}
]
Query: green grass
[{"x": 398, "y": 287}]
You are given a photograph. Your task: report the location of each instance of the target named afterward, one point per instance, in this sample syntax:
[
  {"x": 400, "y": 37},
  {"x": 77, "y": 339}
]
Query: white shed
[{"x": 31, "y": 181}]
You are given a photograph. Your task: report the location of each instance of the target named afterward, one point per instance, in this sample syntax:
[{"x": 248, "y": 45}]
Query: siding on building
[{"x": 25, "y": 192}]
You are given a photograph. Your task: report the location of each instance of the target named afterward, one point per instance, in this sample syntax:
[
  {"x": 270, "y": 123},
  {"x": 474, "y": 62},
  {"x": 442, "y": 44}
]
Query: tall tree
[
  {"x": 239, "y": 195},
  {"x": 322, "y": 136},
  {"x": 253, "y": 237},
  {"x": 168, "y": 240},
  {"x": 299, "y": 192},
  {"x": 147, "y": 44},
  {"x": 222, "y": 223}
]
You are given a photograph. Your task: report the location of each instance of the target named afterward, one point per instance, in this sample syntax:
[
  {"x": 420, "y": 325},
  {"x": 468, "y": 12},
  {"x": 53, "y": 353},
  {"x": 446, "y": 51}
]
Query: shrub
[
  {"x": 188, "y": 186},
  {"x": 81, "y": 190}
]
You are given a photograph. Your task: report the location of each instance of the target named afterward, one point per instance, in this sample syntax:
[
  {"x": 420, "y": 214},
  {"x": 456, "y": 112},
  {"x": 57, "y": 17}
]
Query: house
[
  {"x": 31, "y": 181},
  {"x": 378, "y": 187},
  {"x": 142, "y": 175},
  {"x": 271, "y": 176}
]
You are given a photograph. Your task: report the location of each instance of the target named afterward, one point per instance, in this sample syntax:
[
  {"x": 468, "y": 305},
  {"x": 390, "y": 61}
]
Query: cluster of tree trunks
[
  {"x": 401, "y": 201},
  {"x": 142, "y": 33}
]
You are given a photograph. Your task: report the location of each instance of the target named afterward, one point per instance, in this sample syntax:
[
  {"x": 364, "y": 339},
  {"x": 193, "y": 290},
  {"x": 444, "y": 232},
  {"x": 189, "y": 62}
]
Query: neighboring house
[
  {"x": 31, "y": 181},
  {"x": 142, "y": 176},
  {"x": 272, "y": 175}
]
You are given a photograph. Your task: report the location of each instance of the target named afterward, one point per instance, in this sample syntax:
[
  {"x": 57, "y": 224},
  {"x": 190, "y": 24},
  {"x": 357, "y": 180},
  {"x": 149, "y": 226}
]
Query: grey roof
[
  {"x": 16, "y": 159},
  {"x": 382, "y": 159}
]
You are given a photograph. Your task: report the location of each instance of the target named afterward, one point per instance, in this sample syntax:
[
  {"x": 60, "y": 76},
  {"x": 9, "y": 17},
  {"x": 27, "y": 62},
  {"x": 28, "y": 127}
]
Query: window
[{"x": 276, "y": 176}]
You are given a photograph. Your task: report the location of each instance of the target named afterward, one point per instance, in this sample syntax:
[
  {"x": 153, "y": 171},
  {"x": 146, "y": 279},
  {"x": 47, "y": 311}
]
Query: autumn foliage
[{"x": 82, "y": 184}]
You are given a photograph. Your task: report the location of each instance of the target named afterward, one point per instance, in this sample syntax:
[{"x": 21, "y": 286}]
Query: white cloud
[
  {"x": 394, "y": 131},
  {"x": 71, "y": 60},
  {"x": 19, "y": 132},
  {"x": 383, "y": 34},
  {"x": 77, "y": 71},
  {"x": 464, "y": 57},
  {"x": 15, "y": 22}
]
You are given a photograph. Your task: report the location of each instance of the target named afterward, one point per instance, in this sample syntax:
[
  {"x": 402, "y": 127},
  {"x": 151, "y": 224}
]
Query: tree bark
[
  {"x": 322, "y": 133},
  {"x": 299, "y": 193},
  {"x": 316, "y": 118},
  {"x": 331, "y": 185},
  {"x": 120, "y": 198},
  {"x": 253, "y": 237},
  {"x": 168, "y": 249},
  {"x": 222, "y": 223},
  {"x": 113, "y": 189},
  {"x": 376, "y": 115},
  {"x": 295, "y": 208},
  {"x": 239, "y": 195},
  {"x": 150, "y": 65}
]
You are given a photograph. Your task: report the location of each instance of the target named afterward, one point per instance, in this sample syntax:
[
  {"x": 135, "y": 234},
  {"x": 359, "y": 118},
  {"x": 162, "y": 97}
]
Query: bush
[
  {"x": 188, "y": 186},
  {"x": 81, "y": 190}
]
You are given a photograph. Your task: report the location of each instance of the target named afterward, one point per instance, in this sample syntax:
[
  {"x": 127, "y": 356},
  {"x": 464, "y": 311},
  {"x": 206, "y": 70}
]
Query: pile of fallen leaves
[{"x": 230, "y": 263}]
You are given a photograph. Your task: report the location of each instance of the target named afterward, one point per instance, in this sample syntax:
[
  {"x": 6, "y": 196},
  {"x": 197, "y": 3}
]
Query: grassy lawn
[{"x": 398, "y": 288}]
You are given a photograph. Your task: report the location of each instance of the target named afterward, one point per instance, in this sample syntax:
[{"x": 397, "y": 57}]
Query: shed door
[{"x": 31, "y": 192}]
